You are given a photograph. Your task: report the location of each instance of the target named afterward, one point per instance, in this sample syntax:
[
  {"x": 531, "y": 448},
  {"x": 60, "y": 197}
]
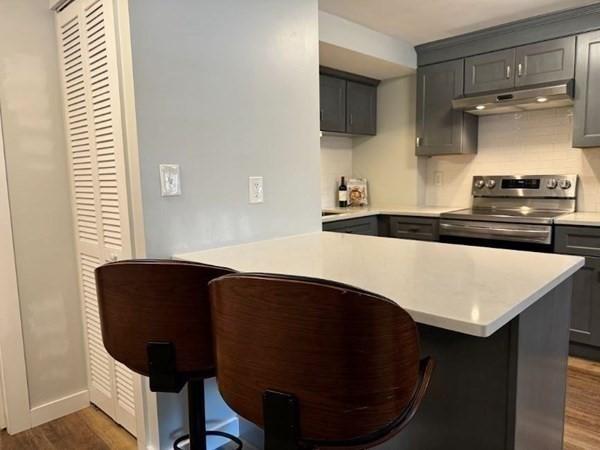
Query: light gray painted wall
[
  {"x": 226, "y": 89},
  {"x": 39, "y": 193}
]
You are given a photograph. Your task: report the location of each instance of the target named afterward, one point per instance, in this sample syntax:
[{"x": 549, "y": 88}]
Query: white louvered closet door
[{"x": 87, "y": 49}]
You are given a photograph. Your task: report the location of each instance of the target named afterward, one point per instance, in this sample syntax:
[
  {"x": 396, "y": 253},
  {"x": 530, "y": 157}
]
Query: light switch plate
[
  {"x": 438, "y": 178},
  {"x": 255, "y": 190},
  {"x": 170, "y": 181}
]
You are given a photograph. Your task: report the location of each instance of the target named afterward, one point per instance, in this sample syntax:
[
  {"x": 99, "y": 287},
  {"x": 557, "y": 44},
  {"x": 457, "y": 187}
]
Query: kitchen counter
[
  {"x": 496, "y": 323},
  {"x": 356, "y": 212},
  {"x": 586, "y": 219},
  {"x": 472, "y": 290}
]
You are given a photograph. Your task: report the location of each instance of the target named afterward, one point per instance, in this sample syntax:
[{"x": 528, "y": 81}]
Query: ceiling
[{"x": 420, "y": 21}]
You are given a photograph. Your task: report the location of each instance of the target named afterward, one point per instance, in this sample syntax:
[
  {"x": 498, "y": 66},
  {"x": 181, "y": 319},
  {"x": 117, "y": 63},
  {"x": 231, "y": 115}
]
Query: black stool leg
[
  {"x": 197, "y": 420},
  {"x": 197, "y": 417}
]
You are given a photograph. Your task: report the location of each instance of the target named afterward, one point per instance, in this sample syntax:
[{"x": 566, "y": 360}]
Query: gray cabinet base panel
[
  {"x": 506, "y": 391},
  {"x": 584, "y": 351}
]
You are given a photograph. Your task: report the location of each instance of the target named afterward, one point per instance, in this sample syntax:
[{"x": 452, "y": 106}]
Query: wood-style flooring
[
  {"x": 582, "y": 429},
  {"x": 90, "y": 429}
]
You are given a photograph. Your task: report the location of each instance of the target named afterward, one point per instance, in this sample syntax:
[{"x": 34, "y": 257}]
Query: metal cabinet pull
[
  {"x": 508, "y": 72},
  {"x": 351, "y": 119},
  {"x": 520, "y": 70},
  {"x": 418, "y": 141},
  {"x": 321, "y": 115}
]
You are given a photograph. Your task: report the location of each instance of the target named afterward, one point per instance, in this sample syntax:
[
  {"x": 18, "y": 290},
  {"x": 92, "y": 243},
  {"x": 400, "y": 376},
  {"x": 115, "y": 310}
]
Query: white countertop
[
  {"x": 588, "y": 219},
  {"x": 472, "y": 290},
  {"x": 356, "y": 212}
]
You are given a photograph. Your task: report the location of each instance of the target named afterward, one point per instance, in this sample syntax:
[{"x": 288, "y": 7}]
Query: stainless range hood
[{"x": 516, "y": 100}]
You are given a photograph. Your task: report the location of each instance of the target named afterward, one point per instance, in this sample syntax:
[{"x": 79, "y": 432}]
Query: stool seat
[{"x": 316, "y": 363}]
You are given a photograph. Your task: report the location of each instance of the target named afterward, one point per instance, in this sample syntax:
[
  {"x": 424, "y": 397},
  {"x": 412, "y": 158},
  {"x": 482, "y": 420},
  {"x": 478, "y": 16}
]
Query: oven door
[{"x": 497, "y": 235}]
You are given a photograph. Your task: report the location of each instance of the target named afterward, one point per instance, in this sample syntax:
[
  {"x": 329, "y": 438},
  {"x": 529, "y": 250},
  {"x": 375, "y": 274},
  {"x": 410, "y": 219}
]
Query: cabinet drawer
[
  {"x": 583, "y": 241},
  {"x": 414, "y": 228},
  {"x": 366, "y": 226}
]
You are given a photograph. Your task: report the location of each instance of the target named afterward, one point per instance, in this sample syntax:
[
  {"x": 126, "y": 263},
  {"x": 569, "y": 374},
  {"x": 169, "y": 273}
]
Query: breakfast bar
[{"x": 495, "y": 321}]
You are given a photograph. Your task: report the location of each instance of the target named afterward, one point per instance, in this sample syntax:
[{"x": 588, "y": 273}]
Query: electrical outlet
[
  {"x": 438, "y": 178},
  {"x": 255, "y": 190},
  {"x": 170, "y": 182}
]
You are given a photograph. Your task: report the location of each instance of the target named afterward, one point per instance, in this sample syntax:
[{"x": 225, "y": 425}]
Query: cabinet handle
[
  {"x": 351, "y": 118},
  {"x": 321, "y": 115},
  {"x": 418, "y": 141},
  {"x": 508, "y": 72},
  {"x": 520, "y": 70}
]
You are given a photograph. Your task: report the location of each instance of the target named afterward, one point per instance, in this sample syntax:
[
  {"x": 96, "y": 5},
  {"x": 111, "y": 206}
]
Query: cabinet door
[
  {"x": 586, "y": 117},
  {"x": 440, "y": 129},
  {"x": 490, "y": 71},
  {"x": 333, "y": 104},
  {"x": 362, "y": 108},
  {"x": 585, "y": 304},
  {"x": 546, "y": 62}
]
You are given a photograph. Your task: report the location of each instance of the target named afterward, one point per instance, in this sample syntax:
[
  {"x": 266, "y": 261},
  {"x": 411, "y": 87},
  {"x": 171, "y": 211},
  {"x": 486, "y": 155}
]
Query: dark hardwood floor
[
  {"x": 582, "y": 430},
  {"x": 90, "y": 429}
]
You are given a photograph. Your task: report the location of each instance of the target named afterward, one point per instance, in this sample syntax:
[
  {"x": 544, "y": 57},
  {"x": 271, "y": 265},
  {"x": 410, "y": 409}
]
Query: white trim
[
  {"x": 145, "y": 400},
  {"x": 2, "y": 407},
  {"x": 14, "y": 372},
  {"x": 59, "y": 408}
]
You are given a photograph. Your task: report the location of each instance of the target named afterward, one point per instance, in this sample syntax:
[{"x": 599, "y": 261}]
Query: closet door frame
[{"x": 13, "y": 372}]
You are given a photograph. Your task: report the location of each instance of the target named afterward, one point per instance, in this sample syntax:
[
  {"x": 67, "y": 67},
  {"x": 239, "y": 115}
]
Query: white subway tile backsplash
[{"x": 533, "y": 142}]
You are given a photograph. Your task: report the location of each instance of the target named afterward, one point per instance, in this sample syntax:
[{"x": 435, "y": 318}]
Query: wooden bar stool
[
  {"x": 155, "y": 319},
  {"x": 316, "y": 363}
]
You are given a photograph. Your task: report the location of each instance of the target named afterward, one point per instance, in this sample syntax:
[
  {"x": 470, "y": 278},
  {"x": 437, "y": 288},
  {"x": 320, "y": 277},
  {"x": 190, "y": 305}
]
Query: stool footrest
[{"x": 231, "y": 437}]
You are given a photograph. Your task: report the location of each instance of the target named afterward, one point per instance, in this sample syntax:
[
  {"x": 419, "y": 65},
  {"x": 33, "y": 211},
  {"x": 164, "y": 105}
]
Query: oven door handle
[{"x": 495, "y": 230}]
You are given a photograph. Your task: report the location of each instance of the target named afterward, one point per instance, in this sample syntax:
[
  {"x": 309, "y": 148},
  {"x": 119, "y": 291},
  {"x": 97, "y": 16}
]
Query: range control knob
[
  {"x": 565, "y": 184},
  {"x": 479, "y": 184},
  {"x": 490, "y": 184},
  {"x": 551, "y": 183}
]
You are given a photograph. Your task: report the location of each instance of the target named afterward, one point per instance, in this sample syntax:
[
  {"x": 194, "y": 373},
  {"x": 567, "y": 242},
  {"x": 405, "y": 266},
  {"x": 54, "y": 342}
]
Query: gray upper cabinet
[
  {"x": 545, "y": 62},
  {"x": 333, "y": 104},
  {"x": 586, "y": 116},
  {"x": 490, "y": 71},
  {"x": 361, "y": 108},
  {"x": 440, "y": 129}
]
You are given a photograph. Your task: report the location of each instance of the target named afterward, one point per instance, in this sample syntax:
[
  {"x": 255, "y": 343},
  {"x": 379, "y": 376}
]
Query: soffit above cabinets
[{"x": 419, "y": 22}]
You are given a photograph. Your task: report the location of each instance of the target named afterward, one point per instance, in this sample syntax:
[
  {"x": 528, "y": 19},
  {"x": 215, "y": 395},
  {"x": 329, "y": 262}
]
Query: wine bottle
[{"x": 343, "y": 194}]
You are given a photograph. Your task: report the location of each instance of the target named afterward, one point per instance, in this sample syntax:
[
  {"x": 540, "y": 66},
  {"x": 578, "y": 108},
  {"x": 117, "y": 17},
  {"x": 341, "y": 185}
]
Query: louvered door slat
[{"x": 93, "y": 124}]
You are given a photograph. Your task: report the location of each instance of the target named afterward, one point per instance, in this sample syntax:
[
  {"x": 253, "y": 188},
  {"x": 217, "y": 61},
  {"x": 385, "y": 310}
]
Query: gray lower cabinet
[
  {"x": 361, "y": 108},
  {"x": 333, "y": 104},
  {"x": 440, "y": 129},
  {"x": 490, "y": 71},
  {"x": 586, "y": 113},
  {"x": 364, "y": 225},
  {"x": 585, "y": 302},
  {"x": 418, "y": 228},
  {"x": 545, "y": 62}
]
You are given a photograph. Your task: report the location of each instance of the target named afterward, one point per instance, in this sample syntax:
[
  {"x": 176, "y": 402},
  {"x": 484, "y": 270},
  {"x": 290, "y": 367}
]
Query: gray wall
[
  {"x": 227, "y": 89},
  {"x": 39, "y": 193}
]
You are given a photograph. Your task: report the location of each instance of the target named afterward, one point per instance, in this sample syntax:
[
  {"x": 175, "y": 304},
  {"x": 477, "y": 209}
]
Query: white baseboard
[{"x": 59, "y": 408}]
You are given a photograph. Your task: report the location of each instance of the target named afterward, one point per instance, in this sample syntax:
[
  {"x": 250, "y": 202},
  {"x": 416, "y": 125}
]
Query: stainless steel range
[{"x": 511, "y": 211}]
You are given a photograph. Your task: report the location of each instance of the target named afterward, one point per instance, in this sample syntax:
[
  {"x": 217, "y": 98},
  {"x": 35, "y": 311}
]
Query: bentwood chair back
[
  {"x": 316, "y": 363},
  {"x": 155, "y": 319}
]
